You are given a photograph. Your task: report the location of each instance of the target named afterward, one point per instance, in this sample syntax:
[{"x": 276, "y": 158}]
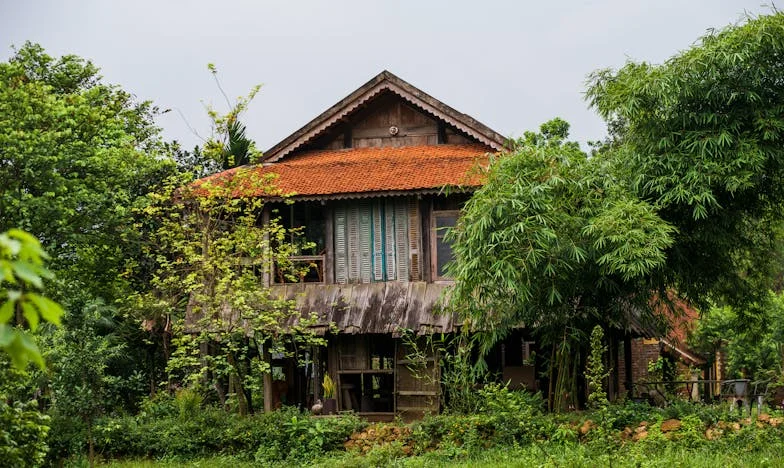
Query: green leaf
[
  {"x": 30, "y": 314},
  {"x": 7, "y": 311},
  {"x": 49, "y": 310},
  {"x": 7, "y": 335},
  {"x": 28, "y": 273}
]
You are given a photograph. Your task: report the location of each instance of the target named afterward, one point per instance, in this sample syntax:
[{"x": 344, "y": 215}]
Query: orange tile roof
[{"x": 376, "y": 169}]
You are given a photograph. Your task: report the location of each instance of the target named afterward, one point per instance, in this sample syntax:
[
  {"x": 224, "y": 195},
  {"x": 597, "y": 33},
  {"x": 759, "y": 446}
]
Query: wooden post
[
  {"x": 267, "y": 380},
  {"x": 316, "y": 372},
  {"x": 612, "y": 366},
  {"x": 627, "y": 360}
]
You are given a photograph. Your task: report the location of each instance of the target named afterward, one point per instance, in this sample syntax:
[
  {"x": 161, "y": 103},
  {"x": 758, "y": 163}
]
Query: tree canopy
[
  {"x": 700, "y": 137},
  {"x": 551, "y": 238},
  {"x": 686, "y": 197},
  {"x": 75, "y": 153}
]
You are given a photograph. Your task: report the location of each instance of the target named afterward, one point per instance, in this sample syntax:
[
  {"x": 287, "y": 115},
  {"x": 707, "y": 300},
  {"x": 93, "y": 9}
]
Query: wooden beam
[
  {"x": 267, "y": 380},
  {"x": 627, "y": 360},
  {"x": 441, "y": 132},
  {"x": 348, "y": 138}
]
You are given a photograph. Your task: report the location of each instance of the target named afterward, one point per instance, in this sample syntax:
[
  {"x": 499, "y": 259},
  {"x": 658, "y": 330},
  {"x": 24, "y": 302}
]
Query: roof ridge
[{"x": 384, "y": 81}]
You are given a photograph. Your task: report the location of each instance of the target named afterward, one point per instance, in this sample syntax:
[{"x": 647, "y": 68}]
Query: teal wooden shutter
[
  {"x": 354, "y": 256},
  {"x": 341, "y": 258},
  {"x": 378, "y": 241},
  {"x": 366, "y": 259},
  {"x": 401, "y": 240},
  {"x": 389, "y": 238}
]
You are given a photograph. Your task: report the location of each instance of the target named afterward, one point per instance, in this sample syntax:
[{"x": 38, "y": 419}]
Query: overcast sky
[{"x": 510, "y": 64}]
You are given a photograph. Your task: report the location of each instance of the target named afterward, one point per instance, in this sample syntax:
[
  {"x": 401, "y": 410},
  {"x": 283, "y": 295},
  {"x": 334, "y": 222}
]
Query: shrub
[
  {"x": 284, "y": 434},
  {"x": 67, "y": 436},
  {"x": 708, "y": 414},
  {"x": 303, "y": 438},
  {"x": 188, "y": 402},
  {"x": 23, "y": 433},
  {"x": 503, "y": 417},
  {"x": 161, "y": 405},
  {"x": 630, "y": 414},
  {"x": 516, "y": 416}
]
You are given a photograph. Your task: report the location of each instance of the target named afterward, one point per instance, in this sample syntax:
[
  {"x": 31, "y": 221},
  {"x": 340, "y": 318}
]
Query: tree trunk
[
  {"x": 267, "y": 381},
  {"x": 90, "y": 444},
  {"x": 235, "y": 384}
]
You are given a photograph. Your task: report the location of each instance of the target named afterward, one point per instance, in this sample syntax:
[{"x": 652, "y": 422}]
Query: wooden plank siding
[
  {"x": 371, "y": 128},
  {"x": 385, "y": 308}
]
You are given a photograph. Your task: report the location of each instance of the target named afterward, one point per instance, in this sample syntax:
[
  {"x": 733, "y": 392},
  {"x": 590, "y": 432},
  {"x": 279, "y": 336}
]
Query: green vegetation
[
  {"x": 21, "y": 273},
  {"x": 511, "y": 429},
  {"x": 684, "y": 198}
]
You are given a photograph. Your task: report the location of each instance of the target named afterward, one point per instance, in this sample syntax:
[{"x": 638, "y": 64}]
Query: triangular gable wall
[{"x": 382, "y": 98}]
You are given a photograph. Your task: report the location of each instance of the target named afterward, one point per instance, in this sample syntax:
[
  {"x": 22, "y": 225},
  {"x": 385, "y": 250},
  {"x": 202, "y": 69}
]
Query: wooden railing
[
  {"x": 661, "y": 392},
  {"x": 304, "y": 269}
]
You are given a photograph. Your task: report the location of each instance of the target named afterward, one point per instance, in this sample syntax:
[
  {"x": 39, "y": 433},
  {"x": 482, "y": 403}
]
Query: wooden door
[{"x": 417, "y": 382}]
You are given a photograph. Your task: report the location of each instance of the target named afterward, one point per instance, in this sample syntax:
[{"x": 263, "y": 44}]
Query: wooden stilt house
[{"x": 368, "y": 178}]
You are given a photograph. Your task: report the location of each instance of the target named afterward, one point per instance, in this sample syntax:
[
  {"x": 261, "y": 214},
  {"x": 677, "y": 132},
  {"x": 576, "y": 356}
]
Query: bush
[
  {"x": 67, "y": 436},
  {"x": 503, "y": 417},
  {"x": 23, "y": 433},
  {"x": 708, "y": 414},
  {"x": 303, "y": 438},
  {"x": 284, "y": 434}
]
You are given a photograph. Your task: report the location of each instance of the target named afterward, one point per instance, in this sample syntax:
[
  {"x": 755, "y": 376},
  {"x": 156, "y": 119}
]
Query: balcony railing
[{"x": 302, "y": 269}]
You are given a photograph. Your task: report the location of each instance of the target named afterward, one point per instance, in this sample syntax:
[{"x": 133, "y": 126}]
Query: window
[
  {"x": 442, "y": 251},
  {"x": 372, "y": 241},
  {"x": 306, "y": 223}
]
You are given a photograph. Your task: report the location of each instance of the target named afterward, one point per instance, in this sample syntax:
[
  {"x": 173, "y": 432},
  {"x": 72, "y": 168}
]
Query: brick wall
[{"x": 643, "y": 352}]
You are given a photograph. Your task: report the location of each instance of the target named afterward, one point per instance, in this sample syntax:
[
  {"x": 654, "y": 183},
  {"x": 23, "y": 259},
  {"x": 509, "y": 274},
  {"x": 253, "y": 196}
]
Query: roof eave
[
  {"x": 376, "y": 194},
  {"x": 385, "y": 81}
]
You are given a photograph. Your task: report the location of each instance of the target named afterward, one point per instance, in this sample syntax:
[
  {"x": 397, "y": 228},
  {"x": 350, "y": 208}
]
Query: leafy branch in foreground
[{"x": 22, "y": 272}]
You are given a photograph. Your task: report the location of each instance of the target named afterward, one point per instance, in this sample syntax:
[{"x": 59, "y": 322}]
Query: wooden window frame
[{"x": 434, "y": 273}]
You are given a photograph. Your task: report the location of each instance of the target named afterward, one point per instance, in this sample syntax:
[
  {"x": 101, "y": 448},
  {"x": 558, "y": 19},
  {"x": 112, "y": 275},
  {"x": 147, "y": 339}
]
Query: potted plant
[{"x": 330, "y": 403}]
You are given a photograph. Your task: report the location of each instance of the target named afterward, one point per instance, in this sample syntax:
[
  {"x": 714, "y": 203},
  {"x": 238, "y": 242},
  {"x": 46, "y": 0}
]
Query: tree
[
  {"x": 213, "y": 250},
  {"x": 23, "y": 428},
  {"x": 229, "y": 145},
  {"x": 753, "y": 341},
  {"x": 75, "y": 154},
  {"x": 700, "y": 137},
  {"x": 595, "y": 371},
  {"x": 551, "y": 241},
  {"x": 81, "y": 352}
]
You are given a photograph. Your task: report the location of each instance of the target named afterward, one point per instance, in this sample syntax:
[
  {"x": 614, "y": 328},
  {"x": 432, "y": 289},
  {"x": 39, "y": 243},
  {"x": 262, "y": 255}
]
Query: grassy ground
[
  {"x": 578, "y": 456},
  {"x": 544, "y": 455}
]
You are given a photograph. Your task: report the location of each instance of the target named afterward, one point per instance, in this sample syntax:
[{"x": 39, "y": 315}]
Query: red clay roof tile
[{"x": 374, "y": 169}]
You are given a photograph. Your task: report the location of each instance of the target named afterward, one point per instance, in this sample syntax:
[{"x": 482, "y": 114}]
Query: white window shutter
[
  {"x": 341, "y": 257},
  {"x": 401, "y": 240},
  {"x": 378, "y": 241},
  {"x": 354, "y": 256},
  {"x": 414, "y": 223},
  {"x": 389, "y": 238},
  {"x": 365, "y": 222}
]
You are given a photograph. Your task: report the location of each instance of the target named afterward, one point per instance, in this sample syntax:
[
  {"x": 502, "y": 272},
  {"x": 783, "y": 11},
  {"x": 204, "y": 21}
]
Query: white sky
[{"x": 510, "y": 64}]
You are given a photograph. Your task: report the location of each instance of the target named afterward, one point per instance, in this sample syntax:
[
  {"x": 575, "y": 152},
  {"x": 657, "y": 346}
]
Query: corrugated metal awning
[{"x": 388, "y": 307}]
